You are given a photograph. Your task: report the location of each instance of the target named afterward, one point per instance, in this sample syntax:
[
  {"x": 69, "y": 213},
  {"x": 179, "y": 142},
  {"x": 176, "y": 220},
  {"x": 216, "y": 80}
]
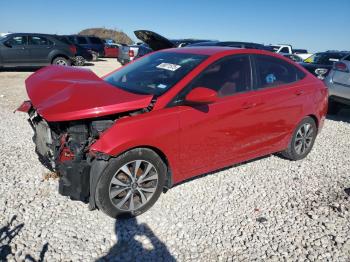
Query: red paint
[
  {"x": 194, "y": 138},
  {"x": 24, "y": 107},
  {"x": 111, "y": 51},
  {"x": 61, "y": 93},
  {"x": 202, "y": 95}
]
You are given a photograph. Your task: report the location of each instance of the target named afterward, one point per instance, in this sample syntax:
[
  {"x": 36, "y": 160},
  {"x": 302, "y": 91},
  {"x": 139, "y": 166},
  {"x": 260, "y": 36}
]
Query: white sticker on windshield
[
  {"x": 161, "y": 86},
  {"x": 167, "y": 66}
]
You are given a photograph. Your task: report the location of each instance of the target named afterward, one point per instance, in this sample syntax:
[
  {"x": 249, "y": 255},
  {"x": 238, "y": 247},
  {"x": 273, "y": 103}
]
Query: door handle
[{"x": 299, "y": 92}]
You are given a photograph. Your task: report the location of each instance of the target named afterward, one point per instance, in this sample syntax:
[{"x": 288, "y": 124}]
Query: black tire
[
  {"x": 333, "y": 108},
  {"x": 61, "y": 61},
  {"x": 94, "y": 56},
  {"x": 79, "y": 61},
  {"x": 291, "y": 152},
  {"x": 102, "y": 193}
]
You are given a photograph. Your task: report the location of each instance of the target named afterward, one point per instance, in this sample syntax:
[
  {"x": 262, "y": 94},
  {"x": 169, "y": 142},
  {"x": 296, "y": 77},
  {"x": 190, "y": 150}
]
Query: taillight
[
  {"x": 340, "y": 66},
  {"x": 73, "y": 49},
  {"x": 131, "y": 53}
]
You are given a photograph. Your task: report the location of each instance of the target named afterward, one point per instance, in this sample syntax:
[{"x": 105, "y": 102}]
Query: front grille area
[
  {"x": 43, "y": 142},
  {"x": 43, "y": 138}
]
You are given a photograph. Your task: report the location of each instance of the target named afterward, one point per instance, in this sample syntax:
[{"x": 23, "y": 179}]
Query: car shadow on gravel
[
  {"x": 128, "y": 248},
  {"x": 343, "y": 115}
]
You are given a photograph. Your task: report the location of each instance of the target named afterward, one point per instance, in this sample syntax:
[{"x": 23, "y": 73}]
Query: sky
[{"x": 309, "y": 24}]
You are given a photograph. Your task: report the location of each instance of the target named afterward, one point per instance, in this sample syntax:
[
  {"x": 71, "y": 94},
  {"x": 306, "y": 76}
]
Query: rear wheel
[
  {"x": 94, "y": 56},
  {"x": 61, "y": 61},
  {"x": 131, "y": 183},
  {"x": 302, "y": 140},
  {"x": 79, "y": 61}
]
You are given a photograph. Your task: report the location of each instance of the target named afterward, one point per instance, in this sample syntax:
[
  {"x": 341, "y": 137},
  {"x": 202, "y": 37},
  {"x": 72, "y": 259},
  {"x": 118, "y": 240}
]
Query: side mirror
[{"x": 201, "y": 95}]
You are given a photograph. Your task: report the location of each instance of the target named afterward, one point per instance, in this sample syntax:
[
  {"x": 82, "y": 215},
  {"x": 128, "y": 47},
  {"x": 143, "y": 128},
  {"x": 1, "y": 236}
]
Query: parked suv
[
  {"x": 92, "y": 43},
  {"x": 117, "y": 142},
  {"x": 338, "y": 82},
  {"x": 82, "y": 54},
  {"x": 25, "y": 49}
]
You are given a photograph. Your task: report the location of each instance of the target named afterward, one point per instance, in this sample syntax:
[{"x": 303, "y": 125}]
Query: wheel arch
[
  {"x": 101, "y": 163},
  {"x": 315, "y": 119},
  {"x": 53, "y": 57},
  {"x": 163, "y": 157}
]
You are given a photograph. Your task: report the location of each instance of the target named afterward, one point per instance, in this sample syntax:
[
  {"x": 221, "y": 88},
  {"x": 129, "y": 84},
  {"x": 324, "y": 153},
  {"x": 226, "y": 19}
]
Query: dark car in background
[
  {"x": 92, "y": 43},
  {"x": 29, "y": 49},
  {"x": 236, "y": 44},
  {"x": 321, "y": 63},
  {"x": 82, "y": 54}
]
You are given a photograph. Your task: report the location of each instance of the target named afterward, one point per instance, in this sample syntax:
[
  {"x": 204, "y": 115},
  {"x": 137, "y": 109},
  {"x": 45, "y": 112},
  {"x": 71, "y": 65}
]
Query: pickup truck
[{"x": 288, "y": 49}]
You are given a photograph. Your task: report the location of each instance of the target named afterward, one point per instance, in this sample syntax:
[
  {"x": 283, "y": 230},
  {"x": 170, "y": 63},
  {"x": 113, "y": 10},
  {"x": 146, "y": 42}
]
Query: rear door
[
  {"x": 283, "y": 96},
  {"x": 14, "y": 51},
  {"x": 39, "y": 48}
]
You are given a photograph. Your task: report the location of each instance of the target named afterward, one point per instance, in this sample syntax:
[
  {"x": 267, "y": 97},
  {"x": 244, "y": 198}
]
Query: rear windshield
[{"x": 155, "y": 74}]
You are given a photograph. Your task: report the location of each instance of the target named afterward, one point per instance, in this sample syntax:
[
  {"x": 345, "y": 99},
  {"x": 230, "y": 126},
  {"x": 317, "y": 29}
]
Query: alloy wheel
[
  {"x": 61, "y": 62},
  {"x": 133, "y": 185},
  {"x": 304, "y": 138}
]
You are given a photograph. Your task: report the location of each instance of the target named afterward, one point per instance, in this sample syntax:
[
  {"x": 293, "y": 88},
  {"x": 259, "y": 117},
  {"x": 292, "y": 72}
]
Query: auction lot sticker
[{"x": 167, "y": 66}]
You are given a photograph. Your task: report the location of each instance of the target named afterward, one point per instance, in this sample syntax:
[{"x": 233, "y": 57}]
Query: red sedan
[{"x": 119, "y": 141}]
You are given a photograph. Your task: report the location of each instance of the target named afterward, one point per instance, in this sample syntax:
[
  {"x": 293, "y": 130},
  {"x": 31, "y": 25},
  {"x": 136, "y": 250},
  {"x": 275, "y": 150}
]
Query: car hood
[
  {"x": 153, "y": 40},
  {"x": 64, "y": 93}
]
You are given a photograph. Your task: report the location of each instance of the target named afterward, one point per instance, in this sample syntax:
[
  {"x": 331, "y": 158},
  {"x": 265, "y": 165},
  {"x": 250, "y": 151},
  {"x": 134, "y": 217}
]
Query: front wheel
[
  {"x": 61, "y": 61},
  {"x": 131, "y": 183},
  {"x": 302, "y": 140}
]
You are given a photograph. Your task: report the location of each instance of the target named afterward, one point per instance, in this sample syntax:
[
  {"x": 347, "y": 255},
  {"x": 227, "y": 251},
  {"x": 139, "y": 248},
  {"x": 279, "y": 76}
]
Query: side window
[
  {"x": 17, "y": 40},
  {"x": 284, "y": 50},
  {"x": 272, "y": 72},
  {"x": 81, "y": 40},
  {"x": 347, "y": 58},
  {"x": 227, "y": 76},
  {"x": 95, "y": 40},
  {"x": 38, "y": 40},
  {"x": 71, "y": 38}
]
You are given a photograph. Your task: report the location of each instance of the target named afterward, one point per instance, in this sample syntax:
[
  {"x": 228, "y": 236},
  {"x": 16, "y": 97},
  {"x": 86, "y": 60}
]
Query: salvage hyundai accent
[{"x": 119, "y": 141}]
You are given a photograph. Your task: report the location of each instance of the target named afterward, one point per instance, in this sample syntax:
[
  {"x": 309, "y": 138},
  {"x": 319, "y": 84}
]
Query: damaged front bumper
[{"x": 74, "y": 179}]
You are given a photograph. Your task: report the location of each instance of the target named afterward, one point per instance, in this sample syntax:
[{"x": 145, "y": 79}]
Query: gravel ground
[{"x": 267, "y": 209}]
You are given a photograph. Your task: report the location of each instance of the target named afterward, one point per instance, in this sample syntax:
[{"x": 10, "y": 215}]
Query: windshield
[
  {"x": 155, "y": 74},
  {"x": 324, "y": 58}
]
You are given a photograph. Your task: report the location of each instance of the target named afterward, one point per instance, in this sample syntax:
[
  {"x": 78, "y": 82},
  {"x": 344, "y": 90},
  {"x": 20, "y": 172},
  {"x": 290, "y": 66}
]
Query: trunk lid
[
  {"x": 64, "y": 93},
  {"x": 153, "y": 40}
]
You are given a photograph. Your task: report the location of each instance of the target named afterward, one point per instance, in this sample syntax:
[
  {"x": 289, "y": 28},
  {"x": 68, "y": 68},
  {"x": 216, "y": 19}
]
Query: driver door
[
  {"x": 213, "y": 135},
  {"x": 14, "y": 51}
]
